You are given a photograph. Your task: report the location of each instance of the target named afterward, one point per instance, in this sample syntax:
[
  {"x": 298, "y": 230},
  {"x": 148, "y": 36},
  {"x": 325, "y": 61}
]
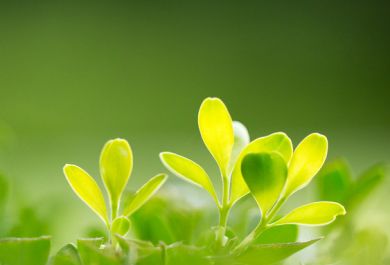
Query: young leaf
[
  {"x": 120, "y": 225},
  {"x": 241, "y": 139},
  {"x": 306, "y": 161},
  {"x": 116, "y": 163},
  {"x": 188, "y": 170},
  {"x": 313, "y": 214},
  {"x": 270, "y": 253},
  {"x": 278, "y": 234},
  {"x": 67, "y": 255},
  {"x": 145, "y": 193},
  {"x": 277, "y": 142},
  {"x": 265, "y": 175},
  {"x": 87, "y": 189},
  {"x": 216, "y": 129},
  {"x": 24, "y": 251}
]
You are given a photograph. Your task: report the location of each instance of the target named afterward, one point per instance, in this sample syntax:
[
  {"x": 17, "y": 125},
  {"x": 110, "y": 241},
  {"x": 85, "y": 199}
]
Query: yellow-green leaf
[
  {"x": 87, "y": 189},
  {"x": 116, "y": 163},
  {"x": 241, "y": 139},
  {"x": 188, "y": 170},
  {"x": 216, "y": 129},
  {"x": 277, "y": 142},
  {"x": 313, "y": 214},
  {"x": 121, "y": 225},
  {"x": 265, "y": 175},
  {"x": 307, "y": 160},
  {"x": 144, "y": 194}
]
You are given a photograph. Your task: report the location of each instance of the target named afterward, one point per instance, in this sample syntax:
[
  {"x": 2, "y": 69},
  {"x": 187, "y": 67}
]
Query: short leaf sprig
[
  {"x": 266, "y": 167},
  {"x": 116, "y": 163}
]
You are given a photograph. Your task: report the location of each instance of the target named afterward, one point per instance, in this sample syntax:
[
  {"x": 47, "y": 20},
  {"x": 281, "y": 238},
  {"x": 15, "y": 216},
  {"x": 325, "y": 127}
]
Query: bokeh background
[{"x": 74, "y": 74}]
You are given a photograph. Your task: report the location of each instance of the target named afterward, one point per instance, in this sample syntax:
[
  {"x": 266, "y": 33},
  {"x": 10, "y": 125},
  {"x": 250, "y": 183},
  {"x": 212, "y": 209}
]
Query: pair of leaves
[
  {"x": 268, "y": 178},
  {"x": 228, "y": 142},
  {"x": 116, "y": 162}
]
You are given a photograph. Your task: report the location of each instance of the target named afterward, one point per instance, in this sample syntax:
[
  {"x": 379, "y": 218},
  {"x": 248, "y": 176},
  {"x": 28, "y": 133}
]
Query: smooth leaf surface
[
  {"x": 241, "y": 139},
  {"x": 116, "y": 163},
  {"x": 188, "y": 170},
  {"x": 121, "y": 225},
  {"x": 307, "y": 160},
  {"x": 87, "y": 189},
  {"x": 277, "y": 142},
  {"x": 216, "y": 129},
  {"x": 68, "y": 255},
  {"x": 24, "y": 251},
  {"x": 265, "y": 175},
  {"x": 263, "y": 254},
  {"x": 144, "y": 194},
  {"x": 313, "y": 214}
]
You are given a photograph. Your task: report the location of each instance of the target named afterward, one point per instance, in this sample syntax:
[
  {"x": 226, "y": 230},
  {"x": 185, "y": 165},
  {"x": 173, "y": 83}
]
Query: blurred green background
[{"x": 74, "y": 74}]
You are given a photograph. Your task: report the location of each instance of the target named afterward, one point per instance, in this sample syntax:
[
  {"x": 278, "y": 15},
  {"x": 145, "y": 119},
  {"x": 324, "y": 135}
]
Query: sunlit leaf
[
  {"x": 87, "y": 189},
  {"x": 216, "y": 129},
  {"x": 277, "y": 142},
  {"x": 270, "y": 253},
  {"x": 116, "y": 163},
  {"x": 313, "y": 214},
  {"x": 144, "y": 194},
  {"x": 241, "y": 139},
  {"x": 188, "y": 170},
  {"x": 334, "y": 182},
  {"x": 68, "y": 255},
  {"x": 265, "y": 175},
  {"x": 307, "y": 160},
  {"x": 24, "y": 251},
  {"x": 120, "y": 225}
]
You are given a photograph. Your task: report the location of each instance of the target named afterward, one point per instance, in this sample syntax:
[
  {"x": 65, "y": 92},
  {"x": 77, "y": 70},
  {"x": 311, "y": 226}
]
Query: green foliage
[
  {"x": 67, "y": 255},
  {"x": 24, "y": 251},
  {"x": 116, "y": 161}
]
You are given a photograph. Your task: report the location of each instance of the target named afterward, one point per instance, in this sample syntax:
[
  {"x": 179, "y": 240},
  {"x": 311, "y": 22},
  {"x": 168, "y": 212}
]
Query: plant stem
[
  {"x": 224, "y": 210},
  {"x": 261, "y": 227}
]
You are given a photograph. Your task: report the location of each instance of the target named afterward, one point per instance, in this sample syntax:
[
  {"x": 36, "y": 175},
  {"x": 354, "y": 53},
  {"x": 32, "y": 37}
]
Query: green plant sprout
[
  {"x": 268, "y": 168},
  {"x": 116, "y": 163}
]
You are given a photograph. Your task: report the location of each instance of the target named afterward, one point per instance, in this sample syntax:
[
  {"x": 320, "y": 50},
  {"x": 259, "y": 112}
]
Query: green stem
[
  {"x": 224, "y": 210},
  {"x": 261, "y": 227}
]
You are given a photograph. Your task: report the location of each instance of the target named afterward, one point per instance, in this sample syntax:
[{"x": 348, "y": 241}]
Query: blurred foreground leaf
[
  {"x": 24, "y": 251},
  {"x": 68, "y": 255},
  {"x": 278, "y": 234},
  {"x": 263, "y": 254},
  {"x": 92, "y": 251}
]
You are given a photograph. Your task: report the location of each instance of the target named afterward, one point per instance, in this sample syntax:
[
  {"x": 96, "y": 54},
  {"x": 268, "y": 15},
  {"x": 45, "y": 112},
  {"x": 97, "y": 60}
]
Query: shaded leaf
[
  {"x": 278, "y": 234},
  {"x": 316, "y": 213},
  {"x": 116, "y": 164},
  {"x": 241, "y": 139},
  {"x": 334, "y": 182},
  {"x": 92, "y": 252},
  {"x": 306, "y": 161},
  {"x": 67, "y": 255},
  {"x": 216, "y": 129},
  {"x": 24, "y": 251},
  {"x": 144, "y": 194},
  {"x": 188, "y": 170},
  {"x": 277, "y": 142},
  {"x": 87, "y": 189},
  {"x": 366, "y": 183},
  {"x": 265, "y": 175}
]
